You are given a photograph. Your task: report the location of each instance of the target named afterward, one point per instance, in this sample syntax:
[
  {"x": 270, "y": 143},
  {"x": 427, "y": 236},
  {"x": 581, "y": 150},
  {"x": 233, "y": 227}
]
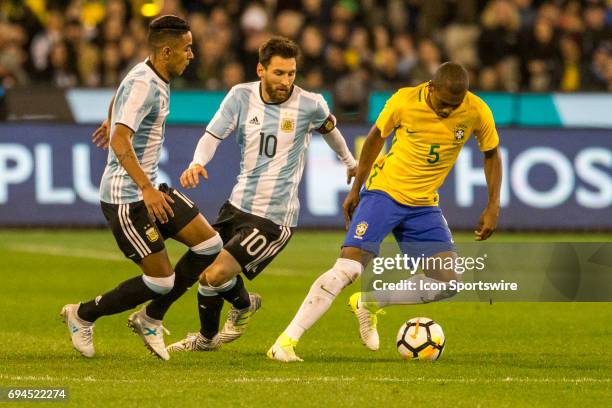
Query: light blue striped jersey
[
  {"x": 273, "y": 139},
  {"x": 141, "y": 103}
]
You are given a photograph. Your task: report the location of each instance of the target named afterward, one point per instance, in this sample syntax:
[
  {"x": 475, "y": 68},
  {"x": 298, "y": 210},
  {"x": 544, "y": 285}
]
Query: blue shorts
[{"x": 378, "y": 214}]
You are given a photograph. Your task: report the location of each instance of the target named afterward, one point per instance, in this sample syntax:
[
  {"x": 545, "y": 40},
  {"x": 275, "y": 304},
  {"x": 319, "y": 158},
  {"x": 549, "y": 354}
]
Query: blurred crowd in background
[{"x": 350, "y": 47}]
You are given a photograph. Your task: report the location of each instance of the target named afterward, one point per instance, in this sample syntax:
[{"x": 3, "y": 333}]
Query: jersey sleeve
[
  {"x": 226, "y": 118},
  {"x": 321, "y": 118},
  {"x": 388, "y": 118},
  {"x": 132, "y": 103},
  {"x": 486, "y": 134}
]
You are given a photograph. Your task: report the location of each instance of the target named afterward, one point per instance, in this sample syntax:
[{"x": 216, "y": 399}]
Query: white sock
[
  {"x": 209, "y": 247},
  {"x": 161, "y": 285},
  {"x": 410, "y": 297},
  {"x": 321, "y": 295}
]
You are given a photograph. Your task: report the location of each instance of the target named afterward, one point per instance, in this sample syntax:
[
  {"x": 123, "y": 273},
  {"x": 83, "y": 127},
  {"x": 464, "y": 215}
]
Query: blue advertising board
[
  {"x": 568, "y": 110},
  {"x": 553, "y": 179}
]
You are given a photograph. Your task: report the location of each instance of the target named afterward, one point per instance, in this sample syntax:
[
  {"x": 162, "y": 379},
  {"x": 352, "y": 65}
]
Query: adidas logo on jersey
[{"x": 254, "y": 121}]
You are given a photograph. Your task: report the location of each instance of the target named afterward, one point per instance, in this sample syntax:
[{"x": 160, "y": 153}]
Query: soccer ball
[{"x": 420, "y": 339}]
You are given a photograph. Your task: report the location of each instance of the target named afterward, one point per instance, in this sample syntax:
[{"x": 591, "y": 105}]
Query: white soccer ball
[{"x": 420, "y": 338}]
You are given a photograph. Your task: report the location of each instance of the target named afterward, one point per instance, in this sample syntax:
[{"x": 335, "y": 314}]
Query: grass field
[{"x": 500, "y": 355}]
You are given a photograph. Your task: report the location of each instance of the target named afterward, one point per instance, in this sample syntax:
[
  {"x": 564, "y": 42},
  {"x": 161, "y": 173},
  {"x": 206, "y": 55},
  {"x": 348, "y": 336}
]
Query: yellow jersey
[{"x": 425, "y": 145}]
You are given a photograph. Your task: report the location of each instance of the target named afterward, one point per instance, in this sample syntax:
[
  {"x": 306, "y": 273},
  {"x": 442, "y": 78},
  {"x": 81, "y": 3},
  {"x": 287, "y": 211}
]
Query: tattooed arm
[{"x": 157, "y": 202}]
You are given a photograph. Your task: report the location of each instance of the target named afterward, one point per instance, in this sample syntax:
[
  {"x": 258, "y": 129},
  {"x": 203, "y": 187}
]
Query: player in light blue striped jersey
[
  {"x": 141, "y": 213},
  {"x": 272, "y": 120}
]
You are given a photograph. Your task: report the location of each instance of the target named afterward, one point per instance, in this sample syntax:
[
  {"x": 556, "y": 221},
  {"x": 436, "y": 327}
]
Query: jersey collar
[
  {"x": 150, "y": 65},
  {"x": 423, "y": 94}
]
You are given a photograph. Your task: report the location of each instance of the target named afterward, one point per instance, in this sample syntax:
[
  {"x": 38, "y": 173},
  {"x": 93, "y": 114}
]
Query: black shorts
[
  {"x": 136, "y": 234},
  {"x": 254, "y": 241}
]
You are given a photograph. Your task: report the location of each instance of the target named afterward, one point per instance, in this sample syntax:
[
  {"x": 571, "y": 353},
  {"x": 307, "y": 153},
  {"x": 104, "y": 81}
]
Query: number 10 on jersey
[{"x": 267, "y": 145}]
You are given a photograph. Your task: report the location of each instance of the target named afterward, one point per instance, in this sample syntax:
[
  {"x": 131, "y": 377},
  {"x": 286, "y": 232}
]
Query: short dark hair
[
  {"x": 277, "y": 46},
  {"x": 452, "y": 76},
  {"x": 166, "y": 28}
]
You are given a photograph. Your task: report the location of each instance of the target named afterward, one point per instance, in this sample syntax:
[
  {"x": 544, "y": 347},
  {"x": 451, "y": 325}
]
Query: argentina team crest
[
  {"x": 361, "y": 229},
  {"x": 287, "y": 125},
  {"x": 152, "y": 234}
]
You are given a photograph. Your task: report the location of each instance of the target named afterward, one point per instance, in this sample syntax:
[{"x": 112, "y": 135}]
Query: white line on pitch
[
  {"x": 323, "y": 379},
  {"x": 63, "y": 251}
]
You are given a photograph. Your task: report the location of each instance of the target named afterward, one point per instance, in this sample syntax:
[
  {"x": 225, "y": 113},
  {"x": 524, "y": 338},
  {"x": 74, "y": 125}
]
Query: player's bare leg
[{"x": 195, "y": 232}]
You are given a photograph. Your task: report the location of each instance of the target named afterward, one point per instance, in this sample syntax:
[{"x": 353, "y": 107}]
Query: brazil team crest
[
  {"x": 287, "y": 125},
  {"x": 152, "y": 234},
  {"x": 361, "y": 229},
  {"x": 460, "y": 133}
]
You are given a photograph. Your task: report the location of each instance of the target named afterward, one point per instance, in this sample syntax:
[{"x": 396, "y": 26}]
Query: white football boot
[
  {"x": 81, "y": 331},
  {"x": 151, "y": 332},
  {"x": 367, "y": 320},
  {"x": 238, "y": 320},
  {"x": 195, "y": 342}
]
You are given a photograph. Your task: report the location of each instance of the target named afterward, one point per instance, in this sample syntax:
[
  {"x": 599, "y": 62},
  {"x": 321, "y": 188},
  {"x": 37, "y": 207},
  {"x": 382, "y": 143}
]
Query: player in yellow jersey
[{"x": 432, "y": 122}]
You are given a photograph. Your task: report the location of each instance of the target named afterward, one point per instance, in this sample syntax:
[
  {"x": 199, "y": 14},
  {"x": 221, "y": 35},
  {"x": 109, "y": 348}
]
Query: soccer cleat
[
  {"x": 81, "y": 331},
  {"x": 151, "y": 332},
  {"x": 367, "y": 321},
  {"x": 195, "y": 342},
  {"x": 282, "y": 350},
  {"x": 238, "y": 320}
]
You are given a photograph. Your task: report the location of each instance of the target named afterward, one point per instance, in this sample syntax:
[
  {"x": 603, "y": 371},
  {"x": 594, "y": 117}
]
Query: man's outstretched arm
[{"x": 204, "y": 152}]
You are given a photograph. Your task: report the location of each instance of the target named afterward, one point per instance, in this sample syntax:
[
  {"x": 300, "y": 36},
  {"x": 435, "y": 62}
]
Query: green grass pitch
[{"x": 500, "y": 355}]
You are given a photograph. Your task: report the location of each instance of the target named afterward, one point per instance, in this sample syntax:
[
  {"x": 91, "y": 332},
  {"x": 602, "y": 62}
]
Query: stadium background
[
  {"x": 543, "y": 66},
  {"x": 532, "y": 61}
]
